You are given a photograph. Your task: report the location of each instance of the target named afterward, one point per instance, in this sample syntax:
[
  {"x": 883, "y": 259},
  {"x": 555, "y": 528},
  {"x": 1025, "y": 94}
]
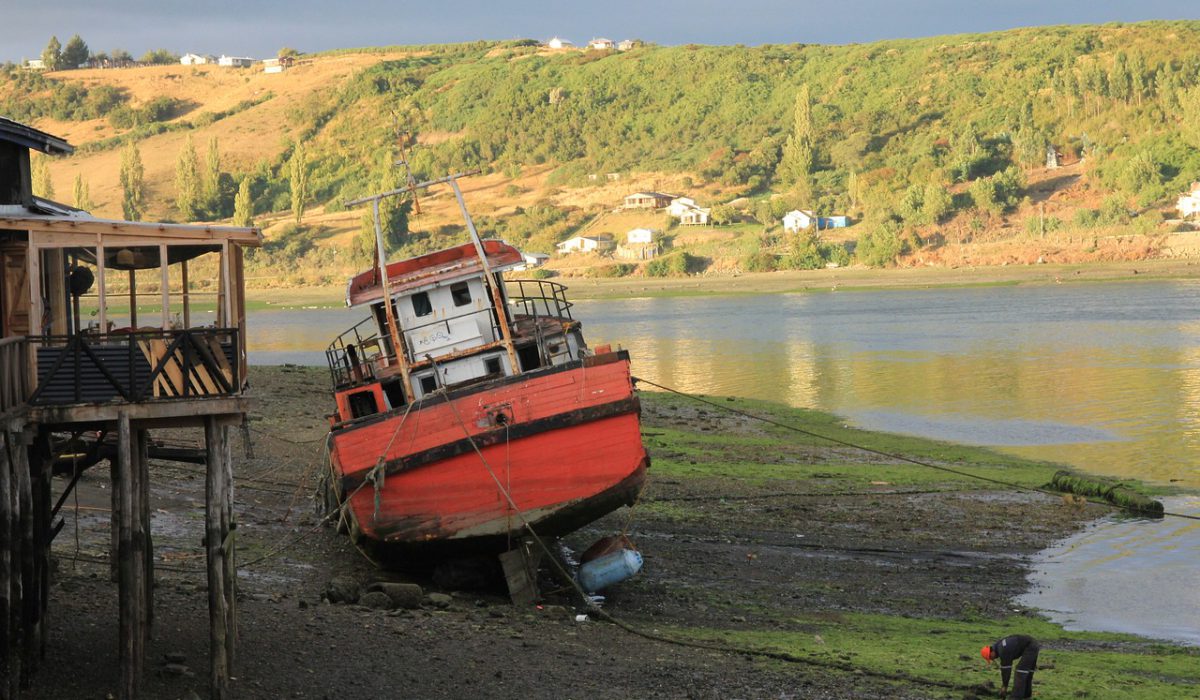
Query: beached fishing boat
[{"x": 470, "y": 410}]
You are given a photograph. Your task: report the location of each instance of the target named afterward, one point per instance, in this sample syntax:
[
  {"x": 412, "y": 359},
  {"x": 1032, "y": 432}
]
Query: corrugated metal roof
[{"x": 30, "y": 137}]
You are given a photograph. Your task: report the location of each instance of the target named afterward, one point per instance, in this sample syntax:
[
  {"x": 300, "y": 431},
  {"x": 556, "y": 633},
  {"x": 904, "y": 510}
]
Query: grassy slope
[{"x": 891, "y": 111}]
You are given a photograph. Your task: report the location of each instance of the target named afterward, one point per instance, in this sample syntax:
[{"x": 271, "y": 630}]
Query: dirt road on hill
[{"x": 721, "y": 555}]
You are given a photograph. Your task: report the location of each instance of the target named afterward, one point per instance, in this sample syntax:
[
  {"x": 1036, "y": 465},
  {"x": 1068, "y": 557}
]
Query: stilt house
[{"x": 109, "y": 329}]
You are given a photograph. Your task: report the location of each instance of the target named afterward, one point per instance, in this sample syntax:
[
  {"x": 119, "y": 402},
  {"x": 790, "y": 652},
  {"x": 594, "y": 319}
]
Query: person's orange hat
[{"x": 986, "y": 653}]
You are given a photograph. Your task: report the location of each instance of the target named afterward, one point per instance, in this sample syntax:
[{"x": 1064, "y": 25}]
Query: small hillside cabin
[
  {"x": 584, "y": 244},
  {"x": 648, "y": 200},
  {"x": 639, "y": 236},
  {"x": 196, "y": 59},
  {"x": 680, "y": 205},
  {"x": 1188, "y": 203},
  {"x": 627, "y": 44},
  {"x": 235, "y": 61},
  {"x": 601, "y": 44},
  {"x": 533, "y": 260},
  {"x": 559, "y": 43},
  {"x": 698, "y": 216},
  {"x": 798, "y": 220}
]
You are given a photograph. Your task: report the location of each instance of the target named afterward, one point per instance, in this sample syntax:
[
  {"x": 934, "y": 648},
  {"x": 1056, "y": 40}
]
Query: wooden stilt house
[{"x": 108, "y": 330}]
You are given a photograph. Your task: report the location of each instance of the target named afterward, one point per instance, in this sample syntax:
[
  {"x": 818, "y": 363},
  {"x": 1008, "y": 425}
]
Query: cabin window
[
  {"x": 493, "y": 365},
  {"x": 461, "y": 293},
  {"x": 529, "y": 357},
  {"x": 421, "y": 305},
  {"x": 362, "y": 403},
  {"x": 428, "y": 384}
]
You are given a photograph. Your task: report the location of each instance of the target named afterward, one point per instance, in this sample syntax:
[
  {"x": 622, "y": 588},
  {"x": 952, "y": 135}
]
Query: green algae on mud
[
  {"x": 720, "y": 472},
  {"x": 1071, "y": 664}
]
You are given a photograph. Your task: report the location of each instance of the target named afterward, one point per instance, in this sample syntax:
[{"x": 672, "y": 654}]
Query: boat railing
[
  {"x": 354, "y": 355},
  {"x": 539, "y": 298},
  {"x": 142, "y": 365}
]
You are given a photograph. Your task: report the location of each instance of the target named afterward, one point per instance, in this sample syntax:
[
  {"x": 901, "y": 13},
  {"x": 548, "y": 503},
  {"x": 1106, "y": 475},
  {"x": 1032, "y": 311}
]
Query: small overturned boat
[{"x": 470, "y": 411}]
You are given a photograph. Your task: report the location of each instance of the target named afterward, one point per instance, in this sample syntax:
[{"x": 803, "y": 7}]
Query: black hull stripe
[
  {"x": 494, "y": 437},
  {"x": 593, "y": 361}
]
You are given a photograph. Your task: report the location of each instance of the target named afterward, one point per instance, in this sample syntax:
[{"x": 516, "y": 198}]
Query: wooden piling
[
  {"x": 127, "y": 564},
  {"x": 9, "y": 666},
  {"x": 143, "y": 451},
  {"x": 29, "y": 583},
  {"x": 215, "y": 494}
]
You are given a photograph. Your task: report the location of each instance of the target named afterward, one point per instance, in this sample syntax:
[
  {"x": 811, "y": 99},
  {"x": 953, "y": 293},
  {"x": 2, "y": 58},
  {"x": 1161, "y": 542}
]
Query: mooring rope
[{"x": 881, "y": 453}]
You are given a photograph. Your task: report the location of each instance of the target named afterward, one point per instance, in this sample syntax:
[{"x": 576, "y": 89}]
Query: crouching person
[{"x": 1007, "y": 650}]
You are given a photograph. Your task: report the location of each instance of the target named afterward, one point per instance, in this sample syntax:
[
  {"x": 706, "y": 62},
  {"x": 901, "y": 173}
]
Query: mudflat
[{"x": 864, "y": 576}]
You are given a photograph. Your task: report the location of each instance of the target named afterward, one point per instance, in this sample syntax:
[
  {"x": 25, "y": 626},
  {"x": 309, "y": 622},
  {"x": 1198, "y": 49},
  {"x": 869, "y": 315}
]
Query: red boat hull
[{"x": 563, "y": 443}]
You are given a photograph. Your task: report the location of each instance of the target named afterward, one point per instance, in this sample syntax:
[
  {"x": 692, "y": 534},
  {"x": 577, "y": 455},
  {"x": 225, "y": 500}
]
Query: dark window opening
[
  {"x": 421, "y": 305},
  {"x": 529, "y": 357},
  {"x": 429, "y": 384},
  {"x": 362, "y": 403},
  {"x": 395, "y": 393},
  {"x": 493, "y": 365},
  {"x": 461, "y": 293}
]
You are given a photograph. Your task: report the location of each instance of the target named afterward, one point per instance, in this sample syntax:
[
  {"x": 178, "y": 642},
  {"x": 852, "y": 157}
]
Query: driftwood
[{"x": 1113, "y": 492}]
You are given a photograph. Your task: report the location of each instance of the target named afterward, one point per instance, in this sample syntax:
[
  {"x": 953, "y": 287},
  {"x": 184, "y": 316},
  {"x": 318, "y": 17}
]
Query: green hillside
[{"x": 903, "y": 136}]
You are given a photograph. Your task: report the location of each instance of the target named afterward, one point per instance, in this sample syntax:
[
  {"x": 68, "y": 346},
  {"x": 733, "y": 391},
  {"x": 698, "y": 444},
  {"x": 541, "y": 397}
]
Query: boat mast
[
  {"x": 497, "y": 295},
  {"x": 389, "y": 308}
]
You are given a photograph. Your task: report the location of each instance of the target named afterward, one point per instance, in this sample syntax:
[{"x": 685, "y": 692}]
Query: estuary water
[{"x": 1103, "y": 377}]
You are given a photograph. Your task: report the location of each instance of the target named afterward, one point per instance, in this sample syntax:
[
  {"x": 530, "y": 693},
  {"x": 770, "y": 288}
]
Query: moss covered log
[{"x": 1111, "y": 491}]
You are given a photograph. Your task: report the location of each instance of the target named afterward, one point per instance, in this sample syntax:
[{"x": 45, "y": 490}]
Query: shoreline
[
  {"x": 755, "y": 537},
  {"x": 797, "y": 281}
]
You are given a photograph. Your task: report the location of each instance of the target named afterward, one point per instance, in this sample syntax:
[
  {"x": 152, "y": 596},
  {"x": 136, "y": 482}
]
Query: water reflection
[{"x": 1103, "y": 377}]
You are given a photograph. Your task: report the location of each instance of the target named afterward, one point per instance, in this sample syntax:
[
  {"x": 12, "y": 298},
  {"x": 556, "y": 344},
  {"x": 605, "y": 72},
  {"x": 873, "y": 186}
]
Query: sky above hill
[{"x": 259, "y": 28}]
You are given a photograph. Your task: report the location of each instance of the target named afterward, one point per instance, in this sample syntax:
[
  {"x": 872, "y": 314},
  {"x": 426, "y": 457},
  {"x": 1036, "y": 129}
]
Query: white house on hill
[
  {"x": 1189, "y": 202},
  {"x": 584, "y": 244},
  {"x": 798, "y": 220},
  {"x": 639, "y": 236},
  {"x": 601, "y": 44},
  {"x": 196, "y": 59},
  {"x": 680, "y": 205},
  {"x": 697, "y": 216},
  {"x": 235, "y": 61},
  {"x": 559, "y": 43}
]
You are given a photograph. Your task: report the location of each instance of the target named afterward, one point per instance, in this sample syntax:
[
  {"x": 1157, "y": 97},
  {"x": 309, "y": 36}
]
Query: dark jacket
[{"x": 1010, "y": 649}]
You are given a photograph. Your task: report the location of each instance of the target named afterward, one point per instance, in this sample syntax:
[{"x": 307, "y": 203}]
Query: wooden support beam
[
  {"x": 143, "y": 450},
  {"x": 128, "y": 585},
  {"x": 218, "y": 615},
  {"x": 28, "y": 565},
  {"x": 42, "y": 472},
  {"x": 9, "y": 602}
]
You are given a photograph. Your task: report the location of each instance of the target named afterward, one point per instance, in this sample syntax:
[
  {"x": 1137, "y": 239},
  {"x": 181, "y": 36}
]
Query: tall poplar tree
[
  {"x": 82, "y": 199},
  {"x": 52, "y": 54},
  {"x": 187, "y": 182},
  {"x": 799, "y": 157},
  {"x": 212, "y": 179},
  {"x": 131, "y": 183},
  {"x": 299, "y": 181},
  {"x": 40, "y": 176},
  {"x": 243, "y": 207}
]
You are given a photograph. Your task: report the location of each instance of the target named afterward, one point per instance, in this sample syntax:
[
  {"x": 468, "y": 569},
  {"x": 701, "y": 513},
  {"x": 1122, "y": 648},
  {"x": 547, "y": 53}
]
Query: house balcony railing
[
  {"x": 14, "y": 373},
  {"x": 153, "y": 365}
]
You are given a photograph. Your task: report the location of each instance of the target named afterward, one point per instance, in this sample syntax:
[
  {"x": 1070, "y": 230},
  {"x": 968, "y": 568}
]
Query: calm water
[{"x": 1103, "y": 377}]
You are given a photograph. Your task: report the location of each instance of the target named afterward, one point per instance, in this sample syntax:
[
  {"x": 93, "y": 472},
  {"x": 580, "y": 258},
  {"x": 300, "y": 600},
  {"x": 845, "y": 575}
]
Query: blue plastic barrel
[{"x": 602, "y": 572}]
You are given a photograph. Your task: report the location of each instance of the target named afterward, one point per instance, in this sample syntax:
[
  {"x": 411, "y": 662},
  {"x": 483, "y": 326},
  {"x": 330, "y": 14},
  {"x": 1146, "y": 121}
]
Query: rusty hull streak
[{"x": 552, "y": 520}]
